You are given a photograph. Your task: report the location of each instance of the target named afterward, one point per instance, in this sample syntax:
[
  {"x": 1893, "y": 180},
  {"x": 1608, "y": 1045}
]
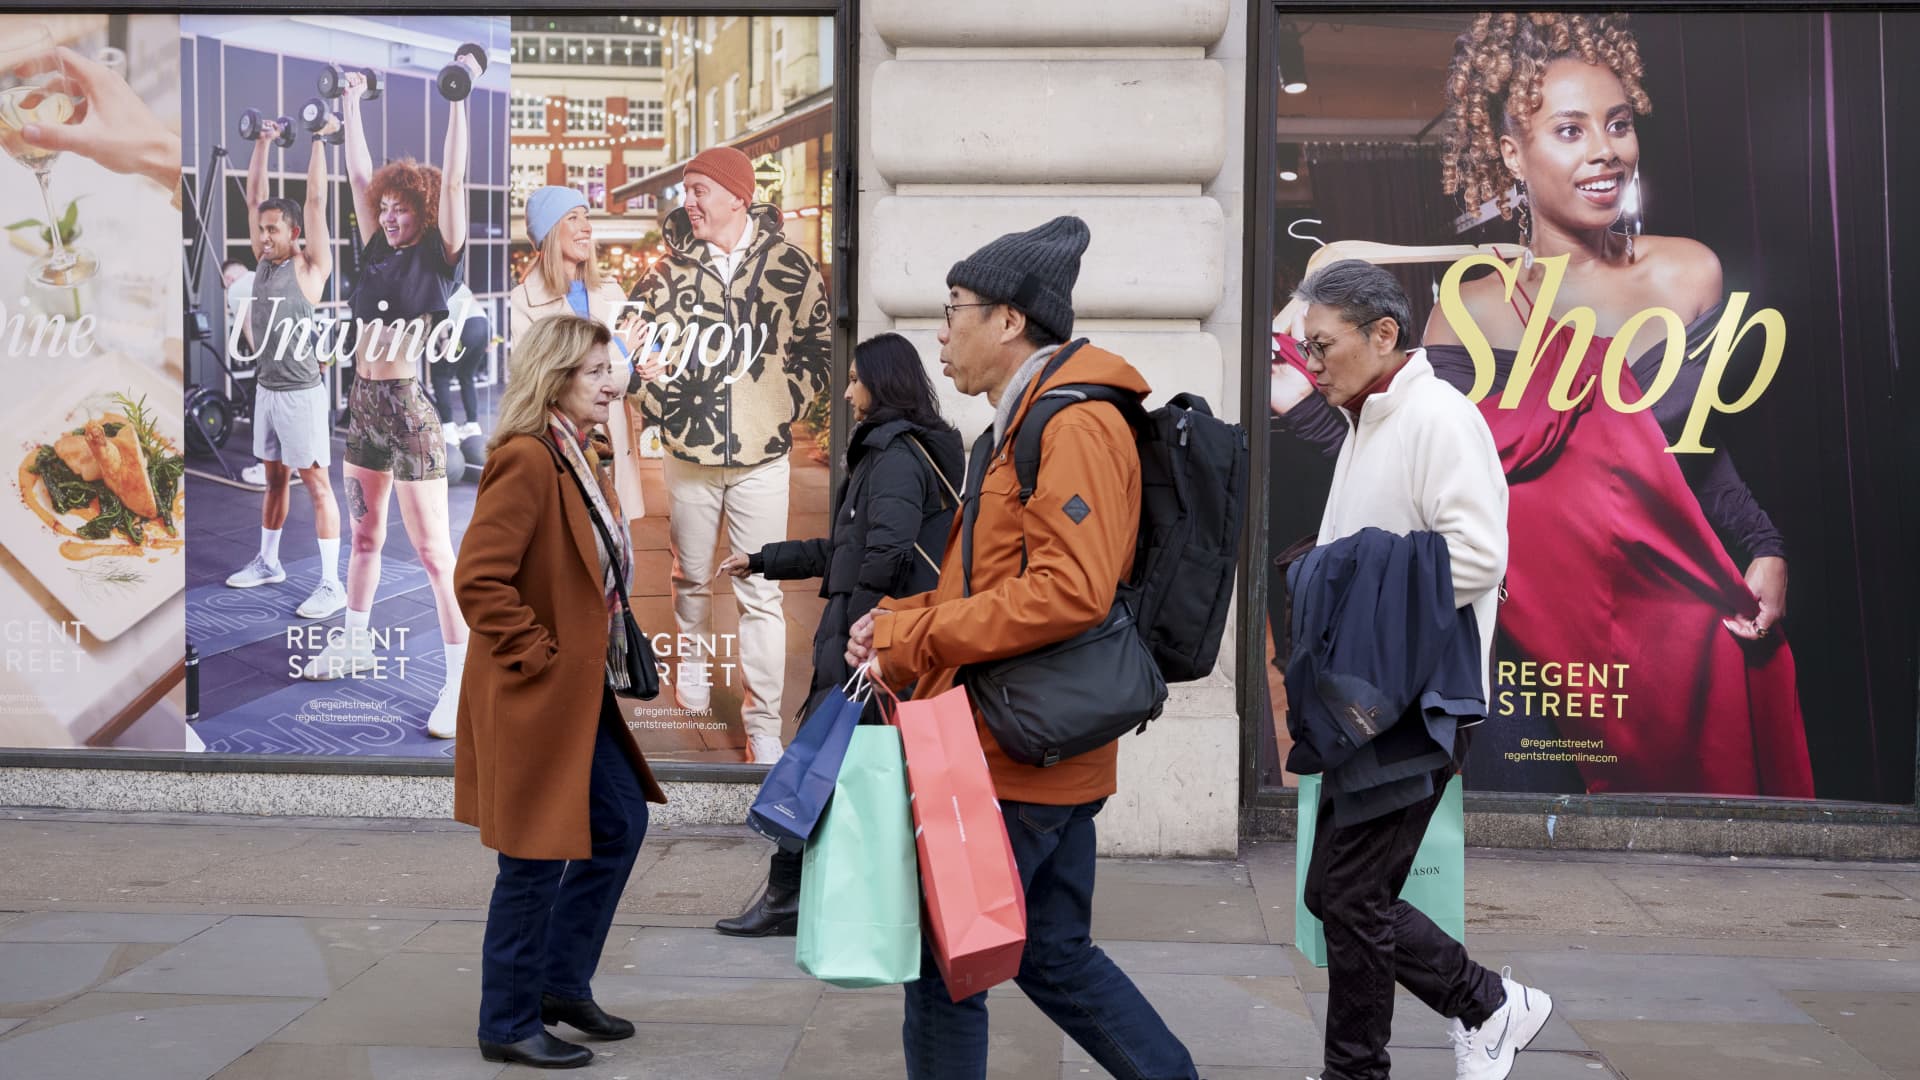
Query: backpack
[{"x": 1193, "y": 503}]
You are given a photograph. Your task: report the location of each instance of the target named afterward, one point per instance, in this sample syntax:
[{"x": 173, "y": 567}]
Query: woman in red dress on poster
[{"x": 1618, "y": 572}]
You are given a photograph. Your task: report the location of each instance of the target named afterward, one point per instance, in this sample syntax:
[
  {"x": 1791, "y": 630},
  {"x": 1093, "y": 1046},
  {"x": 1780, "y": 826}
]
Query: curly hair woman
[
  {"x": 413, "y": 223},
  {"x": 1540, "y": 118}
]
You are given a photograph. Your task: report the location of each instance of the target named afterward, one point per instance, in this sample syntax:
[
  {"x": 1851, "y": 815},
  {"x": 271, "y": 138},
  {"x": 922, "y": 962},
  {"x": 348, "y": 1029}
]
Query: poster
[
  {"x": 93, "y": 519},
  {"x": 726, "y": 449},
  {"x": 343, "y": 364},
  {"x": 1716, "y": 441}
]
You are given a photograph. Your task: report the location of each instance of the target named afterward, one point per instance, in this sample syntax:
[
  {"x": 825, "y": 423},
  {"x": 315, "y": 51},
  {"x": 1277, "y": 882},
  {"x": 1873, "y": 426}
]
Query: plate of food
[{"x": 96, "y": 508}]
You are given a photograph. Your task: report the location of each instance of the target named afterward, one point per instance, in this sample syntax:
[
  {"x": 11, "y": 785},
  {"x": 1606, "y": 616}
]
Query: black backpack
[{"x": 1193, "y": 502}]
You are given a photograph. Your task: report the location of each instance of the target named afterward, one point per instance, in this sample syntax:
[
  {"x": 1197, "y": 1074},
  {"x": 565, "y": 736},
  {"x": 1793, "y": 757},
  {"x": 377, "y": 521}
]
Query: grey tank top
[{"x": 288, "y": 360}]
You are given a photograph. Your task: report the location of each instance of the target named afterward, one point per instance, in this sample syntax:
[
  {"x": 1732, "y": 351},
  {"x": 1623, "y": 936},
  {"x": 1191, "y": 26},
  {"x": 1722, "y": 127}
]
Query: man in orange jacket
[{"x": 1010, "y": 308}]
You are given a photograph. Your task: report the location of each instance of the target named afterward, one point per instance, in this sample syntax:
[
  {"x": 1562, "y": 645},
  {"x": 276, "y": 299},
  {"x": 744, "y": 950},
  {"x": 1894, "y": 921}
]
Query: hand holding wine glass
[{"x": 113, "y": 126}]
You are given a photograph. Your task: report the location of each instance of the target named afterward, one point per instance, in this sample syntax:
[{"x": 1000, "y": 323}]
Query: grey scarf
[{"x": 1017, "y": 389}]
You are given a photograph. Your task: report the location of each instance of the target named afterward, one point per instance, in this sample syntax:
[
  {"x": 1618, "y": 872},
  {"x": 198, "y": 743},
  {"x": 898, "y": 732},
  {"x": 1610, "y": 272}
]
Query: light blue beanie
[{"x": 546, "y": 206}]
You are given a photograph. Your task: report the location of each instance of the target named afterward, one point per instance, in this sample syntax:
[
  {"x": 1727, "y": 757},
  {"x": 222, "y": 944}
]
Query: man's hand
[
  {"x": 860, "y": 640},
  {"x": 356, "y": 86},
  {"x": 735, "y": 566}
]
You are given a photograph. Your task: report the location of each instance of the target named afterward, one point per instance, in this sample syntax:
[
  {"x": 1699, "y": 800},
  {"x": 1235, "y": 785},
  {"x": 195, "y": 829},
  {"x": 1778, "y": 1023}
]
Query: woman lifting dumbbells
[{"x": 413, "y": 223}]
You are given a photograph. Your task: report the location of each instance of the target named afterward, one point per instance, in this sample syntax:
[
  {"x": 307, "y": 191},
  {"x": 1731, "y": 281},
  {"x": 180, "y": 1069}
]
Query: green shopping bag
[
  {"x": 860, "y": 877},
  {"x": 1437, "y": 885}
]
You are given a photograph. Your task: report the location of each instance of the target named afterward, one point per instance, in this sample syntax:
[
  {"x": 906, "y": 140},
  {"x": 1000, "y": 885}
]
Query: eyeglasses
[
  {"x": 1316, "y": 349},
  {"x": 951, "y": 308}
]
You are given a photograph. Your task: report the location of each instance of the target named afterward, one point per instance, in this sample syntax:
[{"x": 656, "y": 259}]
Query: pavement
[{"x": 164, "y": 947}]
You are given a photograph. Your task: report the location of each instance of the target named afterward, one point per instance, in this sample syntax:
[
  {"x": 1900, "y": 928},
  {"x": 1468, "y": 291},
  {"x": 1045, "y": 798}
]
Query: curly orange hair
[
  {"x": 1496, "y": 73},
  {"x": 415, "y": 184}
]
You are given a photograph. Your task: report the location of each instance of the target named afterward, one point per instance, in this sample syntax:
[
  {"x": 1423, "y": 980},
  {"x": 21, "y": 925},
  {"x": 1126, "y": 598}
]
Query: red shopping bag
[{"x": 976, "y": 905}]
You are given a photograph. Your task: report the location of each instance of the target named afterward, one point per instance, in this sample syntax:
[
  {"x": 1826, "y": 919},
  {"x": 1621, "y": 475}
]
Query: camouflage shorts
[{"x": 394, "y": 429}]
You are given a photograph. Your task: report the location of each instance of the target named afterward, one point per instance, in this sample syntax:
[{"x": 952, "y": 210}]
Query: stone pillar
[{"x": 985, "y": 118}]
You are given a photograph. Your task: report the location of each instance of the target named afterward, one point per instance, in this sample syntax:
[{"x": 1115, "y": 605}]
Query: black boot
[
  {"x": 776, "y": 912},
  {"x": 586, "y": 1016},
  {"x": 541, "y": 1051}
]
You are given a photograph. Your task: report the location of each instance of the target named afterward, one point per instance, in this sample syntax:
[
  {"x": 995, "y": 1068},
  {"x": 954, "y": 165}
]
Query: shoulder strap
[
  {"x": 976, "y": 472},
  {"x": 606, "y": 537},
  {"x": 938, "y": 475},
  {"x": 1026, "y": 444}
]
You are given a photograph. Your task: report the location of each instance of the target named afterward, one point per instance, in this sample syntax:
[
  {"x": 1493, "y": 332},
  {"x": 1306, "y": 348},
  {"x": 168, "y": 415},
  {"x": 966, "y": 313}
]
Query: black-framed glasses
[
  {"x": 951, "y": 308},
  {"x": 1316, "y": 349}
]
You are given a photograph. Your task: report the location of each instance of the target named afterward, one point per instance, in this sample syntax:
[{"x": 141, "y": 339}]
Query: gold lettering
[
  {"x": 1615, "y": 366},
  {"x": 1726, "y": 338},
  {"x": 1462, "y": 322}
]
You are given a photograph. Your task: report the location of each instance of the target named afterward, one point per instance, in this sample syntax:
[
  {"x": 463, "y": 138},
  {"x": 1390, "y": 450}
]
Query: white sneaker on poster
[
  {"x": 344, "y": 657},
  {"x": 766, "y": 749},
  {"x": 444, "y": 720},
  {"x": 450, "y": 432},
  {"x": 326, "y": 599},
  {"x": 692, "y": 698},
  {"x": 257, "y": 572},
  {"x": 255, "y": 474},
  {"x": 1487, "y": 1052},
  {"x": 469, "y": 430}
]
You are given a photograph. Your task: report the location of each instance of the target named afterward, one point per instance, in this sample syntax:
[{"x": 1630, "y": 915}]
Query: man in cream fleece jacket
[{"x": 1418, "y": 457}]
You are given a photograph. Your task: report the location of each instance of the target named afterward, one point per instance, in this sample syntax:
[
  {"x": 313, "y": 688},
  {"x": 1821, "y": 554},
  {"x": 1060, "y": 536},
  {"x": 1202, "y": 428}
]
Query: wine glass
[{"x": 35, "y": 89}]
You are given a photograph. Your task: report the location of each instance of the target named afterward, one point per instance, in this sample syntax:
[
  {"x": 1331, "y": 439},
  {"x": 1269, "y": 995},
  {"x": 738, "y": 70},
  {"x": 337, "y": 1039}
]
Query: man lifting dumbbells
[{"x": 291, "y": 414}]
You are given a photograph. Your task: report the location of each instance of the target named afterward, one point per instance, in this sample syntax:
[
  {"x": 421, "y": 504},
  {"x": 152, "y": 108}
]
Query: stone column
[{"x": 989, "y": 117}]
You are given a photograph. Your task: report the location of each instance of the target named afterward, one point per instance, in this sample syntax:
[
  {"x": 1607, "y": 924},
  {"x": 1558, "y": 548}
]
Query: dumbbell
[
  {"x": 333, "y": 82},
  {"x": 251, "y": 125},
  {"x": 321, "y": 123},
  {"x": 456, "y": 81}
]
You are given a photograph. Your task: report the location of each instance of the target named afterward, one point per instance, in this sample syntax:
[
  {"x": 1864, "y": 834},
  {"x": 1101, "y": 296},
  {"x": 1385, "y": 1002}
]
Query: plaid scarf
[{"x": 583, "y": 456}]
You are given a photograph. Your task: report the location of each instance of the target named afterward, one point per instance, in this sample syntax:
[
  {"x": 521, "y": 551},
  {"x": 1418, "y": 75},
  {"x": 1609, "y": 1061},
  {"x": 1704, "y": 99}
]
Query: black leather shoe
[
  {"x": 585, "y": 1016},
  {"x": 541, "y": 1051},
  {"x": 775, "y": 913}
]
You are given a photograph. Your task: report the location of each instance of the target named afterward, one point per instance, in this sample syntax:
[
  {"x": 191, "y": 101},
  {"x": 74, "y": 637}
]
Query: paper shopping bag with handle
[
  {"x": 859, "y": 889},
  {"x": 798, "y": 786},
  {"x": 1437, "y": 884},
  {"x": 976, "y": 904}
]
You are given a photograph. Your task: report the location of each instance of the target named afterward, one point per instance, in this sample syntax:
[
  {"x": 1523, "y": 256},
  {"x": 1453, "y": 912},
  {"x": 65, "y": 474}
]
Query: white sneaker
[
  {"x": 1487, "y": 1052},
  {"x": 766, "y": 749},
  {"x": 441, "y": 723},
  {"x": 692, "y": 698},
  {"x": 345, "y": 657},
  {"x": 255, "y": 474},
  {"x": 470, "y": 429},
  {"x": 327, "y": 599},
  {"x": 257, "y": 572},
  {"x": 450, "y": 432}
]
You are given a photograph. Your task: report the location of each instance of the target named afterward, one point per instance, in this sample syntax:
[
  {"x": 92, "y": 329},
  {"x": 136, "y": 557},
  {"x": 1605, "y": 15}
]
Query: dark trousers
[
  {"x": 463, "y": 365},
  {"x": 1374, "y": 938},
  {"x": 549, "y": 918},
  {"x": 1063, "y": 971}
]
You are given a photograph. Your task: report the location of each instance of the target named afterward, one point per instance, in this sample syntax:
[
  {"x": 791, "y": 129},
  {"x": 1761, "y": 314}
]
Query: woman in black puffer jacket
[{"x": 890, "y": 522}]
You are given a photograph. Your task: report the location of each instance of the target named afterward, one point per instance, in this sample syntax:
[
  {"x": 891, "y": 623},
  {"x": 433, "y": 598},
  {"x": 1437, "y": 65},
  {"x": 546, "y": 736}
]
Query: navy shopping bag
[{"x": 800, "y": 783}]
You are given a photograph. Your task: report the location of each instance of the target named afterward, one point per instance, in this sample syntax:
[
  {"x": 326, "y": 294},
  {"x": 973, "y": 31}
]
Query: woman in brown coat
[{"x": 545, "y": 766}]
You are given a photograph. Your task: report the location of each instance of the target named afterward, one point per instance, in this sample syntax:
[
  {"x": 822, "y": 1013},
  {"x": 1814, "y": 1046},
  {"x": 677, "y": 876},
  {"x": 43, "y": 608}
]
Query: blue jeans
[
  {"x": 549, "y": 918},
  {"x": 1062, "y": 971}
]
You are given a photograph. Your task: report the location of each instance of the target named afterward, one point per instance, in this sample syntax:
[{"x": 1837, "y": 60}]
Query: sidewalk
[{"x": 157, "y": 947}]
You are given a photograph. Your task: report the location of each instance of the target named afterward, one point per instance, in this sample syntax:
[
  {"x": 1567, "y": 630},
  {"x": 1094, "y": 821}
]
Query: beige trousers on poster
[{"x": 754, "y": 500}]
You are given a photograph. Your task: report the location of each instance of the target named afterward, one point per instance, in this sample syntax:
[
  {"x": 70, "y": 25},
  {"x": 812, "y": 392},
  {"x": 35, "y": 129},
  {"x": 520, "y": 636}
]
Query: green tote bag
[
  {"x": 860, "y": 876},
  {"x": 1437, "y": 885}
]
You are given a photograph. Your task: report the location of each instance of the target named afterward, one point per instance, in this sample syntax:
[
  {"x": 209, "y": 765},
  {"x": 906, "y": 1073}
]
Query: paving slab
[
  {"x": 275, "y": 1061},
  {"x": 1199, "y": 958},
  {"x": 9, "y": 1025},
  {"x": 1231, "y": 1020},
  {"x": 706, "y": 1000},
  {"x": 269, "y": 957},
  {"x": 105, "y": 859},
  {"x": 678, "y": 1051},
  {"x": 1700, "y": 990},
  {"x": 34, "y": 975},
  {"x": 1716, "y": 898},
  {"x": 80, "y": 926},
  {"x": 1647, "y": 1050},
  {"x": 410, "y": 869},
  {"x": 698, "y": 876},
  {"x": 1128, "y": 909},
  {"x": 1880, "y": 1026},
  {"x": 1021, "y": 1041},
  {"x": 852, "y": 1037},
  {"x": 452, "y": 936},
  {"x": 153, "y": 1037},
  {"x": 407, "y": 999},
  {"x": 661, "y": 950}
]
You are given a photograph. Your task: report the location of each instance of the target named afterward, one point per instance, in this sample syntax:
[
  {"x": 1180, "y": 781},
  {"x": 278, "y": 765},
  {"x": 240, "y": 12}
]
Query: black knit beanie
[{"x": 1033, "y": 270}]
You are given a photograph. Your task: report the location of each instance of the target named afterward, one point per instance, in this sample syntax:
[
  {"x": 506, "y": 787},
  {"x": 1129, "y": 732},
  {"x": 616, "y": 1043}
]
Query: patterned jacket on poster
[{"x": 702, "y": 417}]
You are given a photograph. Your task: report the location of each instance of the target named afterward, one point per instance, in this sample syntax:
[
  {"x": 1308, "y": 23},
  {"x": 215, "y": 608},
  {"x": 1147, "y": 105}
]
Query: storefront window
[{"x": 1579, "y": 197}]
